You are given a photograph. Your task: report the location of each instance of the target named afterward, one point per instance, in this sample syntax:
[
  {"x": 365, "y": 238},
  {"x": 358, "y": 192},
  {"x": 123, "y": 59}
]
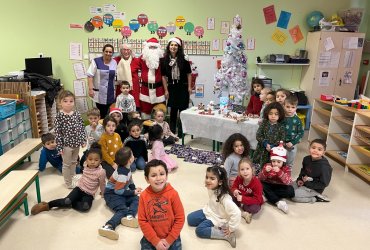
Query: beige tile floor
[{"x": 344, "y": 223}]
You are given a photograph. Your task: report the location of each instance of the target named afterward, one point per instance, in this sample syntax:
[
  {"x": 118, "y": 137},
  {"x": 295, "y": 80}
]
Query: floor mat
[{"x": 195, "y": 155}]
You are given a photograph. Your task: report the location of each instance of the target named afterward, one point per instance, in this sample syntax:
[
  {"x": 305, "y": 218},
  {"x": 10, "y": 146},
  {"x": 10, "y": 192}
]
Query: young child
[
  {"x": 255, "y": 104},
  {"x": 221, "y": 216},
  {"x": 49, "y": 153},
  {"x": 125, "y": 101},
  {"x": 94, "y": 131},
  {"x": 169, "y": 138},
  {"x": 110, "y": 143},
  {"x": 235, "y": 148},
  {"x": 263, "y": 97},
  {"x": 69, "y": 134},
  {"x": 121, "y": 196},
  {"x": 161, "y": 214},
  {"x": 247, "y": 190},
  {"x": 270, "y": 98},
  {"x": 137, "y": 143},
  {"x": 82, "y": 196},
  {"x": 121, "y": 129},
  {"x": 315, "y": 175},
  {"x": 158, "y": 153},
  {"x": 133, "y": 115},
  {"x": 293, "y": 128},
  {"x": 281, "y": 94},
  {"x": 275, "y": 178},
  {"x": 269, "y": 134}
]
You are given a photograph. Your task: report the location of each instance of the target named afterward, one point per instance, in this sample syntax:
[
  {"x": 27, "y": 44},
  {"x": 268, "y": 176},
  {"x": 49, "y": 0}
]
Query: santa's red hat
[
  {"x": 152, "y": 42},
  {"x": 176, "y": 40},
  {"x": 115, "y": 110},
  {"x": 278, "y": 153}
]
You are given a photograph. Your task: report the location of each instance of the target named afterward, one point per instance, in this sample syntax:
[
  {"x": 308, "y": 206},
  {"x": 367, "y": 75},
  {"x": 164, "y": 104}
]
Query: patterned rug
[{"x": 195, "y": 155}]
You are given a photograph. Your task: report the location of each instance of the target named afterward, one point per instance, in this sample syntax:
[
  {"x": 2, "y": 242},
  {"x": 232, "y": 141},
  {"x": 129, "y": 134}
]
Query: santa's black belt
[{"x": 151, "y": 85}]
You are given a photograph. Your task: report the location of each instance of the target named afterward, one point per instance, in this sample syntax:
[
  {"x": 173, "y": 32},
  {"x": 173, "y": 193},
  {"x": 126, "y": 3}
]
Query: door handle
[{"x": 340, "y": 82}]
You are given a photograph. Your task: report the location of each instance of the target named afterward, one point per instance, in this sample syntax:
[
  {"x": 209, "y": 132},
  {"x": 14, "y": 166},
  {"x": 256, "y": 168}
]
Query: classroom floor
[{"x": 343, "y": 223}]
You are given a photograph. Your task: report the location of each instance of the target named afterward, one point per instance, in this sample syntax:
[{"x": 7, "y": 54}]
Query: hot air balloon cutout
[
  {"x": 189, "y": 28},
  {"x": 142, "y": 19},
  {"x": 171, "y": 28},
  {"x": 108, "y": 19},
  {"x": 126, "y": 32},
  {"x": 89, "y": 27},
  {"x": 152, "y": 26},
  {"x": 97, "y": 21},
  {"x": 180, "y": 22},
  {"x": 161, "y": 32},
  {"x": 134, "y": 25},
  {"x": 117, "y": 24},
  {"x": 199, "y": 32}
]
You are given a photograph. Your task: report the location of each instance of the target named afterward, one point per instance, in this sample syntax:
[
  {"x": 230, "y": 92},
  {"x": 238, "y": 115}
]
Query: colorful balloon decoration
[
  {"x": 161, "y": 32},
  {"x": 89, "y": 27},
  {"x": 126, "y": 32},
  {"x": 97, "y": 21},
  {"x": 189, "y": 28},
  {"x": 117, "y": 24},
  {"x": 143, "y": 19},
  {"x": 108, "y": 19},
  {"x": 180, "y": 22},
  {"x": 134, "y": 25},
  {"x": 152, "y": 26},
  {"x": 171, "y": 28},
  {"x": 199, "y": 31}
]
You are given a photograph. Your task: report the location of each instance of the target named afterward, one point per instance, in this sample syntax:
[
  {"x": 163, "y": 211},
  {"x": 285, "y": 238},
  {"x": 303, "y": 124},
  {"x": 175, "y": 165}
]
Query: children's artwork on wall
[
  {"x": 79, "y": 70},
  {"x": 75, "y": 26},
  {"x": 279, "y": 37},
  {"x": 152, "y": 27},
  {"x": 117, "y": 24},
  {"x": 180, "y": 22},
  {"x": 284, "y": 19},
  {"x": 75, "y": 51},
  {"x": 109, "y": 7},
  {"x": 96, "y": 10},
  {"x": 126, "y": 32},
  {"x": 134, "y": 25},
  {"x": 97, "y": 21},
  {"x": 79, "y": 87},
  {"x": 210, "y": 23},
  {"x": 171, "y": 28},
  {"x": 108, "y": 19},
  {"x": 142, "y": 19},
  {"x": 199, "y": 31},
  {"x": 161, "y": 32},
  {"x": 189, "y": 28},
  {"x": 81, "y": 105},
  {"x": 225, "y": 27},
  {"x": 199, "y": 90},
  {"x": 216, "y": 44},
  {"x": 296, "y": 34},
  {"x": 269, "y": 13},
  {"x": 251, "y": 43},
  {"x": 89, "y": 27}
]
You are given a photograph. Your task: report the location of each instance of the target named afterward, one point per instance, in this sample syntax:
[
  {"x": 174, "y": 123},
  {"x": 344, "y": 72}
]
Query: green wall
[{"x": 39, "y": 26}]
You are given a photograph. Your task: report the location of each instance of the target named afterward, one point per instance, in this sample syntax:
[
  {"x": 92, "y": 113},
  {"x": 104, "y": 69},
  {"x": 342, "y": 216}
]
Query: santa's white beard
[{"x": 151, "y": 57}]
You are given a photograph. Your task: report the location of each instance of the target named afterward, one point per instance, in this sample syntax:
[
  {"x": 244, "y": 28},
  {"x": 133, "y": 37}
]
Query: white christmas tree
[{"x": 233, "y": 76}]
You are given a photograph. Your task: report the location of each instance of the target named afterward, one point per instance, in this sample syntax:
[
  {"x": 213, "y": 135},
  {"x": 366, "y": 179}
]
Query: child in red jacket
[
  {"x": 255, "y": 104},
  {"x": 247, "y": 190}
]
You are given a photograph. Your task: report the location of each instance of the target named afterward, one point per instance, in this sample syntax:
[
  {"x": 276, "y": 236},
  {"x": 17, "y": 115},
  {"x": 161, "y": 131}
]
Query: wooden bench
[
  {"x": 15, "y": 156},
  {"x": 13, "y": 187}
]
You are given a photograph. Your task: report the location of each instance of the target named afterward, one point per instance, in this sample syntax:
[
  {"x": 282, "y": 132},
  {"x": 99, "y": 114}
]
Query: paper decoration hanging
[
  {"x": 161, "y": 32},
  {"x": 152, "y": 27},
  {"x": 108, "y": 19},
  {"x": 180, "y": 22},
  {"x": 199, "y": 31},
  {"x": 126, "y": 32},
  {"x": 171, "y": 28},
  {"x": 134, "y": 25},
  {"x": 189, "y": 28},
  {"x": 142, "y": 19},
  {"x": 89, "y": 27},
  {"x": 284, "y": 19},
  {"x": 117, "y": 24},
  {"x": 296, "y": 34},
  {"x": 269, "y": 13},
  {"x": 279, "y": 37},
  {"x": 97, "y": 21}
]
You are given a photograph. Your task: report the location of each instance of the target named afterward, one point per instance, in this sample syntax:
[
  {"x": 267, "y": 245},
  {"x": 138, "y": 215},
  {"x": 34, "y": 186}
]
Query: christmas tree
[{"x": 232, "y": 75}]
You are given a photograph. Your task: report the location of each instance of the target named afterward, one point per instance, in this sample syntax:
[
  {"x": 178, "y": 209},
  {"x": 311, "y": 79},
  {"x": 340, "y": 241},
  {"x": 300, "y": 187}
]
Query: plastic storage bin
[
  {"x": 26, "y": 114},
  {"x": 18, "y": 117},
  {"x": 8, "y": 146},
  {"x": 3, "y": 126},
  {"x": 5, "y": 137},
  {"x": 11, "y": 122},
  {"x": 302, "y": 117},
  {"x": 7, "y": 109}
]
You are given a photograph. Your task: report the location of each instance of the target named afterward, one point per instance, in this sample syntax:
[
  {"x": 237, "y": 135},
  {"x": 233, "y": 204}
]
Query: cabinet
[
  {"x": 334, "y": 64},
  {"x": 342, "y": 128}
]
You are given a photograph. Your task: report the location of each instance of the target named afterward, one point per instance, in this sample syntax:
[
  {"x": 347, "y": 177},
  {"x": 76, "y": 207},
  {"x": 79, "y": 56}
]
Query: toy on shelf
[
  {"x": 201, "y": 106},
  {"x": 235, "y": 116},
  {"x": 359, "y": 104},
  {"x": 341, "y": 101}
]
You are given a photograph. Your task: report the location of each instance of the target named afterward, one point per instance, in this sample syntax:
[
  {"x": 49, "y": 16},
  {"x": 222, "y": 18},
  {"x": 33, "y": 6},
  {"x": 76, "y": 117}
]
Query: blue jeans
[
  {"x": 146, "y": 245},
  {"x": 199, "y": 220},
  {"x": 139, "y": 163},
  {"x": 121, "y": 205}
]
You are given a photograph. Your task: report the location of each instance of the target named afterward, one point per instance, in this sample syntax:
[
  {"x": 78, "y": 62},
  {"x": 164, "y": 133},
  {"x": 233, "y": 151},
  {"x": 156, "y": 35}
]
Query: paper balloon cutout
[
  {"x": 152, "y": 27},
  {"x": 117, "y": 24},
  {"x": 199, "y": 31},
  {"x": 171, "y": 28},
  {"x": 89, "y": 27},
  {"x": 134, "y": 25},
  {"x": 126, "y": 32},
  {"x": 108, "y": 19},
  {"x": 189, "y": 27},
  {"x": 161, "y": 32},
  {"x": 180, "y": 22},
  {"x": 143, "y": 19},
  {"x": 97, "y": 21}
]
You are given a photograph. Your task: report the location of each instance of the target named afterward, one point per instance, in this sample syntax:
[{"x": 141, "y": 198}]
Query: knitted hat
[
  {"x": 115, "y": 110},
  {"x": 176, "y": 40},
  {"x": 278, "y": 153}
]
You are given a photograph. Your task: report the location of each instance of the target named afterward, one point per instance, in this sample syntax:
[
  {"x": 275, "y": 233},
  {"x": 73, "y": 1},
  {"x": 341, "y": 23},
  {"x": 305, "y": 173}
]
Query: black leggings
[
  {"x": 104, "y": 109},
  {"x": 76, "y": 199},
  {"x": 173, "y": 120}
]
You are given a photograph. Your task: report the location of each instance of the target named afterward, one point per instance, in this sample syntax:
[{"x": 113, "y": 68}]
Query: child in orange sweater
[{"x": 161, "y": 214}]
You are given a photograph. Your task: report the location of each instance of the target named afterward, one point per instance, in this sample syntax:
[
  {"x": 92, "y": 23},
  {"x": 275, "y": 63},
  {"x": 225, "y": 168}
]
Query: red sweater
[
  {"x": 161, "y": 215},
  {"x": 251, "y": 193},
  {"x": 255, "y": 105},
  {"x": 282, "y": 177}
]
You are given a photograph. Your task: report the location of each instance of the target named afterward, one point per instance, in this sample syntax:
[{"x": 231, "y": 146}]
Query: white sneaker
[
  {"x": 130, "y": 221},
  {"x": 247, "y": 217},
  {"x": 282, "y": 206},
  {"x": 109, "y": 232}
]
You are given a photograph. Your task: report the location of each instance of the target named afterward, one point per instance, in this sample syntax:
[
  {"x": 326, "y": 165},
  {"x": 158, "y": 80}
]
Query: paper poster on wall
[
  {"x": 75, "y": 51},
  {"x": 347, "y": 77},
  {"x": 81, "y": 105},
  {"x": 79, "y": 87},
  {"x": 215, "y": 44},
  {"x": 296, "y": 34},
  {"x": 329, "y": 59},
  {"x": 199, "y": 90},
  {"x": 284, "y": 19},
  {"x": 269, "y": 13},
  {"x": 350, "y": 42},
  {"x": 210, "y": 23},
  {"x": 108, "y": 8},
  {"x": 96, "y": 10},
  {"x": 279, "y": 37},
  {"x": 79, "y": 70},
  {"x": 328, "y": 44},
  {"x": 251, "y": 43},
  {"x": 324, "y": 78},
  {"x": 225, "y": 27},
  {"x": 348, "y": 59},
  {"x": 118, "y": 15}
]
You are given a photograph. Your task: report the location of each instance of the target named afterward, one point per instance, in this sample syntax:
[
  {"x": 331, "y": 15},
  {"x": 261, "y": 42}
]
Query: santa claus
[{"x": 152, "y": 91}]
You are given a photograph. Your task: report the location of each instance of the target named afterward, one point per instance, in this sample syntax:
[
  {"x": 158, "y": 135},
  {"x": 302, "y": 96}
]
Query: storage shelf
[
  {"x": 363, "y": 128},
  {"x": 342, "y": 137},
  {"x": 357, "y": 169},
  {"x": 321, "y": 127},
  {"x": 333, "y": 154},
  {"x": 365, "y": 140},
  {"x": 283, "y": 64},
  {"x": 362, "y": 149},
  {"x": 345, "y": 119},
  {"x": 323, "y": 111}
]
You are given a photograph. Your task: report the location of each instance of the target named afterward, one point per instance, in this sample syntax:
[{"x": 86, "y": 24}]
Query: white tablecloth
[{"x": 216, "y": 127}]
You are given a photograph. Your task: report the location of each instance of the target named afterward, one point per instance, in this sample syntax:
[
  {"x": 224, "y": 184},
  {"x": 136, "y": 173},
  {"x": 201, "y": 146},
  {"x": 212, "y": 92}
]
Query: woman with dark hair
[
  {"x": 176, "y": 74},
  {"x": 100, "y": 78}
]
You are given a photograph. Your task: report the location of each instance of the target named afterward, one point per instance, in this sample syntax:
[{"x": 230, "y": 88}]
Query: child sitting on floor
[
  {"x": 137, "y": 143},
  {"x": 169, "y": 138},
  {"x": 121, "y": 129},
  {"x": 49, "y": 153}
]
